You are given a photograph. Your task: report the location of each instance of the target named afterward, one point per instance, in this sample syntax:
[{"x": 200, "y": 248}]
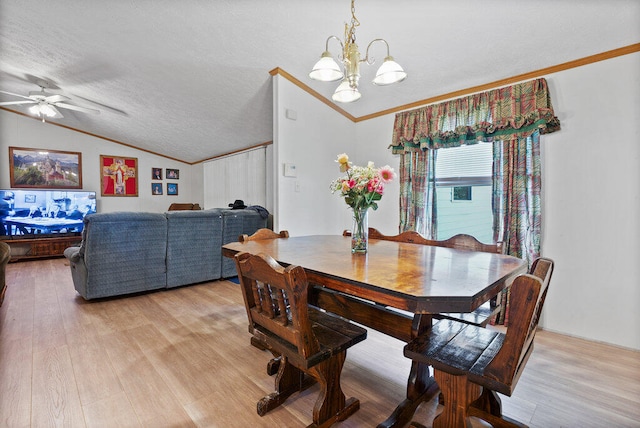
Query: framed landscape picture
[
  {"x": 173, "y": 174},
  {"x": 156, "y": 188},
  {"x": 172, "y": 188},
  {"x": 119, "y": 176},
  {"x": 42, "y": 168}
]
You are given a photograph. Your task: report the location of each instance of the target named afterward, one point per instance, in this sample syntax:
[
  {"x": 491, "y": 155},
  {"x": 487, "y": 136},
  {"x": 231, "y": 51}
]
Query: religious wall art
[
  {"x": 119, "y": 176},
  {"x": 44, "y": 169}
]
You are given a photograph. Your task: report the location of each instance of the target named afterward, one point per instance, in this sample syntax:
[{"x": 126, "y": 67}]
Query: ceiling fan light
[
  {"x": 326, "y": 69},
  {"x": 47, "y": 110},
  {"x": 35, "y": 109},
  {"x": 345, "y": 93},
  {"x": 389, "y": 72}
]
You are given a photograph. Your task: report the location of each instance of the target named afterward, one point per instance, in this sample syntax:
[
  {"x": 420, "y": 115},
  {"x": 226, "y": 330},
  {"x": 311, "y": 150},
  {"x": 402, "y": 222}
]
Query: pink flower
[
  {"x": 372, "y": 185},
  {"x": 352, "y": 183},
  {"x": 386, "y": 174}
]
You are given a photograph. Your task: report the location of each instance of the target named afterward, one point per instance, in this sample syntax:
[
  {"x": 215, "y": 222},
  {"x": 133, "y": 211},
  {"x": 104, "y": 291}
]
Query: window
[{"x": 463, "y": 190}]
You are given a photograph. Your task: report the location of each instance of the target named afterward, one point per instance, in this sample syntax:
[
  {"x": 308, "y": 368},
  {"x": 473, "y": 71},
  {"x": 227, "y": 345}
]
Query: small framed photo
[
  {"x": 173, "y": 174},
  {"x": 29, "y": 199},
  {"x": 156, "y": 188},
  {"x": 172, "y": 188},
  {"x": 156, "y": 173}
]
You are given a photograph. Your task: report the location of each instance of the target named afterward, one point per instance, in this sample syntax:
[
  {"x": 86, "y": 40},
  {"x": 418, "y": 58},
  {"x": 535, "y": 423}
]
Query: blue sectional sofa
[{"x": 130, "y": 252}]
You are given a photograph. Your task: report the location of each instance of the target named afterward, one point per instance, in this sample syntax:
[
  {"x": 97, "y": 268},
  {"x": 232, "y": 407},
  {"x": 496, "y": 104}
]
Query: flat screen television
[{"x": 34, "y": 213}]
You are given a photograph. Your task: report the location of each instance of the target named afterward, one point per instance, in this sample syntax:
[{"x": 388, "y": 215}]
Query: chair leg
[
  {"x": 274, "y": 363},
  {"x": 331, "y": 405},
  {"x": 458, "y": 393},
  {"x": 288, "y": 380}
]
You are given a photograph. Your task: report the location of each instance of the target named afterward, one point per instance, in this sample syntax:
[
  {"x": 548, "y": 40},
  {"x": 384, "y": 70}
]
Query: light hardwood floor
[{"x": 182, "y": 358}]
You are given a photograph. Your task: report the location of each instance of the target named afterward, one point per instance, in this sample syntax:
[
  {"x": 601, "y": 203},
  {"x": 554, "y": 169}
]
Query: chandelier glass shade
[{"x": 328, "y": 70}]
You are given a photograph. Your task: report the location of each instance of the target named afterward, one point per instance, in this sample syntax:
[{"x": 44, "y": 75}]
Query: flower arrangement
[{"x": 363, "y": 187}]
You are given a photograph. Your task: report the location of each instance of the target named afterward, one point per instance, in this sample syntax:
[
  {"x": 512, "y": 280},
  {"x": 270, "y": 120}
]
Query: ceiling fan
[{"x": 45, "y": 104}]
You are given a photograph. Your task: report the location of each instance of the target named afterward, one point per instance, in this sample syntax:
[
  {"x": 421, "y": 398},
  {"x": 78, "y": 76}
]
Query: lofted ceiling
[{"x": 190, "y": 79}]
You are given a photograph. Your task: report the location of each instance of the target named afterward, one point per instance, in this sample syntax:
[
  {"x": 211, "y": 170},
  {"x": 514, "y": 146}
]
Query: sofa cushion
[
  {"x": 194, "y": 239},
  {"x": 124, "y": 252}
]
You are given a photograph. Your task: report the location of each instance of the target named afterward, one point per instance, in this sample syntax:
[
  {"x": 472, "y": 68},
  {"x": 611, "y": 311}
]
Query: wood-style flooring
[{"x": 182, "y": 358}]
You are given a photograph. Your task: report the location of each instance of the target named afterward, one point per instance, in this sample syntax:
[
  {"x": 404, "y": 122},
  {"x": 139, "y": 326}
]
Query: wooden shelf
[{"x": 38, "y": 248}]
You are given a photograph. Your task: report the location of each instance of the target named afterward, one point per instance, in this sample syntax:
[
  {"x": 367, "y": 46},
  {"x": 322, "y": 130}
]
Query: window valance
[{"x": 507, "y": 113}]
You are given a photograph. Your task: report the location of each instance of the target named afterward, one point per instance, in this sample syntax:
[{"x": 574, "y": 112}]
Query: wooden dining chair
[
  {"x": 472, "y": 364},
  {"x": 308, "y": 341},
  {"x": 263, "y": 234},
  {"x": 481, "y": 315}
]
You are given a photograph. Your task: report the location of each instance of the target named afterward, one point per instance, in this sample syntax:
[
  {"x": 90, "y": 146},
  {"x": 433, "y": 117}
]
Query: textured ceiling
[{"x": 190, "y": 79}]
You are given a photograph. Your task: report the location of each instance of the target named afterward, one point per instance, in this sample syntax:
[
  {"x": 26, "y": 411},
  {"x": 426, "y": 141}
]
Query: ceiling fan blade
[
  {"x": 56, "y": 98},
  {"x": 77, "y": 108},
  {"x": 10, "y": 103},
  {"x": 15, "y": 95}
]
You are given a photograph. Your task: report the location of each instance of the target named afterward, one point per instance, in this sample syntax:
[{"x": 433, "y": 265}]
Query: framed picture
[
  {"x": 156, "y": 173},
  {"x": 172, "y": 188},
  {"x": 173, "y": 174},
  {"x": 156, "y": 188},
  {"x": 42, "y": 168},
  {"x": 29, "y": 199},
  {"x": 119, "y": 176}
]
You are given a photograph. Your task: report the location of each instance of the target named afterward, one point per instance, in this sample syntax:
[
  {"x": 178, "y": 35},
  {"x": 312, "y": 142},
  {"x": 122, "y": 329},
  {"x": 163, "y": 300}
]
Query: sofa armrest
[{"x": 73, "y": 254}]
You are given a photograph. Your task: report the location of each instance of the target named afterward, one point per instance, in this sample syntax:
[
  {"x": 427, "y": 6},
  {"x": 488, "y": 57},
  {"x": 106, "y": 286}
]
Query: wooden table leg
[{"x": 421, "y": 387}]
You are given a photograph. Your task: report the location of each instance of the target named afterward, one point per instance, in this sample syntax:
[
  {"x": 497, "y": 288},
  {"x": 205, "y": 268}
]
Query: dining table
[{"x": 396, "y": 288}]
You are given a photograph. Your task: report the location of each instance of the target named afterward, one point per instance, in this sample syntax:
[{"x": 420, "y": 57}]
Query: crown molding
[{"x": 462, "y": 92}]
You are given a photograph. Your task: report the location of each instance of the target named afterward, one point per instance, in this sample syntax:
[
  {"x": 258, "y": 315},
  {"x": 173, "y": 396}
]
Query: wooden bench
[
  {"x": 263, "y": 234},
  {"x": 177, "y": 206},
  {"x": 308, "y": 341},
  {"x": 472, "y": 364},
  {"x": 484, "y": 313}
]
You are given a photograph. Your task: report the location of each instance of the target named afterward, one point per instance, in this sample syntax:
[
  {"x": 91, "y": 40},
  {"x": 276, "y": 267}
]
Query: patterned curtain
[
  {"x": 418, "y": 192},
  {"x": 513, "y": 117},
  {"x": 501, "y": 114},
  {"x": 516, "y": 203}
]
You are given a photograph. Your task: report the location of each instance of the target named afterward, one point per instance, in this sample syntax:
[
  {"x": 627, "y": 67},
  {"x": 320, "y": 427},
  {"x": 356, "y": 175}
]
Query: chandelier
[{"x": 328, "y": 70}]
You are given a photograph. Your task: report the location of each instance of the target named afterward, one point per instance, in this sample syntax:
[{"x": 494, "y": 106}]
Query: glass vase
[{"x": 360, "y": 231}]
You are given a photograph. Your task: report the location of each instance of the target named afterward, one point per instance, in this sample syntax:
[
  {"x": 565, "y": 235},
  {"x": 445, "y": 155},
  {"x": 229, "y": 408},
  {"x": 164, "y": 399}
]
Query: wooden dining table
[{"x": 394, "y": 288}]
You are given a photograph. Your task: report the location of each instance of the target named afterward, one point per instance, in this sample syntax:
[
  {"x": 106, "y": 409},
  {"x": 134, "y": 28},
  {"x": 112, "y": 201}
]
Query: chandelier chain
[{"x": 350, "y": 30}]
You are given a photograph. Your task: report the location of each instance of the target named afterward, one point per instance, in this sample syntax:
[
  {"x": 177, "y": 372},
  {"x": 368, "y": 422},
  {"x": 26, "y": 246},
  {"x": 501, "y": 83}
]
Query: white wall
[
  {"x": 591, "y": 173},
  {"x": 304, "y": 204},
  {"x": 20, "y": 131},
  {"x": 591, "y": 201}
]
